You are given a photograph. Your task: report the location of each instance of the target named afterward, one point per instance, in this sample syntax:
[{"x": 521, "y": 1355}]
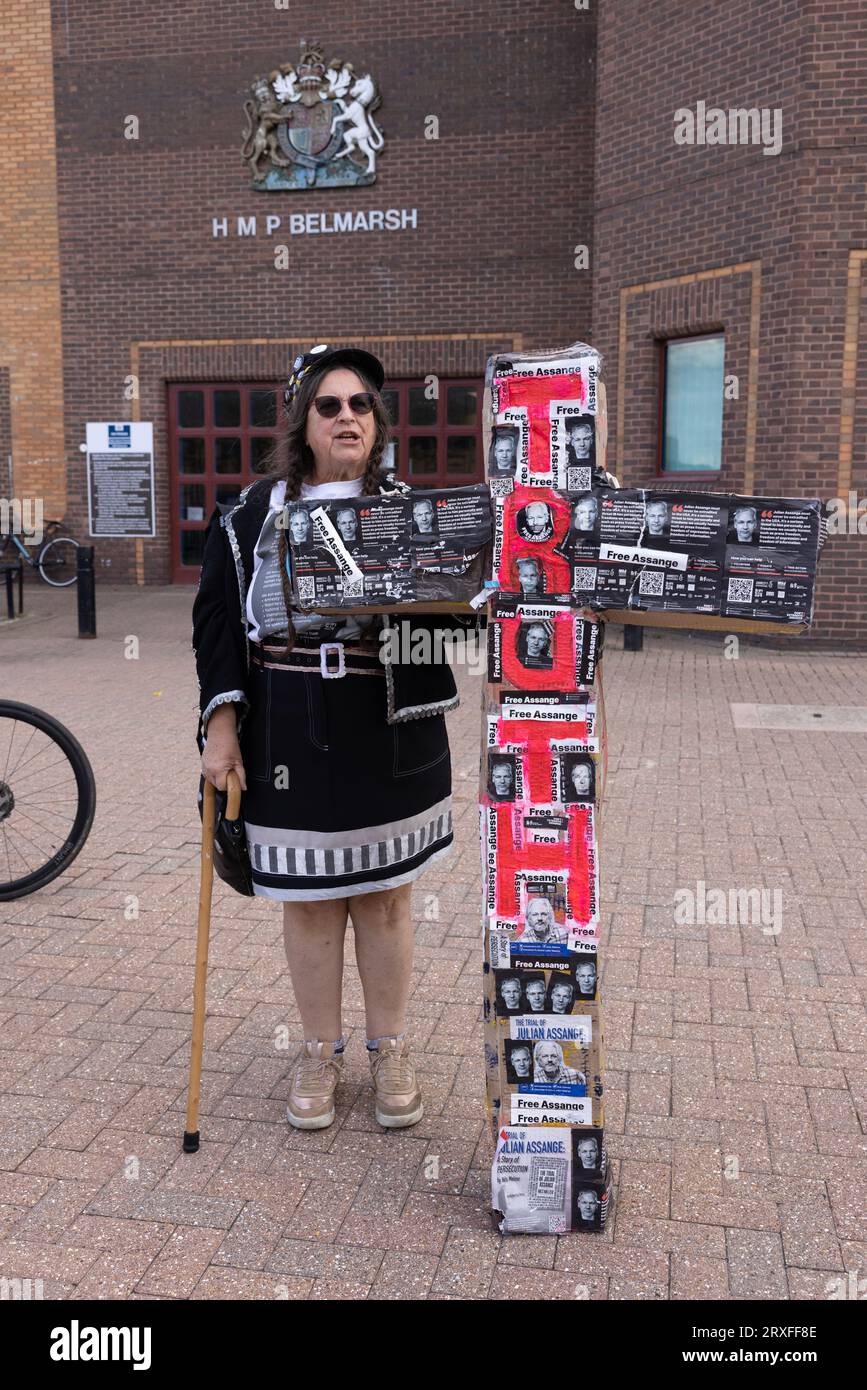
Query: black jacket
[{"x": 219, "y": 637}]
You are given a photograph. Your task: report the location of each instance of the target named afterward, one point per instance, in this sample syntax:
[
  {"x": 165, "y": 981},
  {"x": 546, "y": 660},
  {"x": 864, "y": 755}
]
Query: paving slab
[{"x": 735, "y": 1046}]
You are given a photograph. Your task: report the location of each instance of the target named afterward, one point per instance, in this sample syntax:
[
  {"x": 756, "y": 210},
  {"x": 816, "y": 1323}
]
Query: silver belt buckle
[{"x": 324, "y": 649}]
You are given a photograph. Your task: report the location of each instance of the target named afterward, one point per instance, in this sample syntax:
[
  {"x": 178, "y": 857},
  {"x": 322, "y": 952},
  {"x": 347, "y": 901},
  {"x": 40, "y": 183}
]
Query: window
[
  {"x": 691, "y": 404},
  {"x": 221, "y": 433},
  {"x": 437, "y": 439},
  {"x": 220, "y": 436}
]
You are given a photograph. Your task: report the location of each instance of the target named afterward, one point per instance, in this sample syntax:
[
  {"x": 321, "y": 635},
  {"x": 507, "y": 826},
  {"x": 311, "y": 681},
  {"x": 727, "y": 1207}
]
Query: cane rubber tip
[{"x": 191, "y": 1141}]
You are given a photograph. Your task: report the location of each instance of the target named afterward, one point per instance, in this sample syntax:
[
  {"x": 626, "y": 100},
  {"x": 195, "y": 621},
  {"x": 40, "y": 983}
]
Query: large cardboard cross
[{"x": 569, "y": 549}]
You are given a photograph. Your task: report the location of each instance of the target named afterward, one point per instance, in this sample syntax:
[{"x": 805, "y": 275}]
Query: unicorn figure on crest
[{"x": 362, "y": 132}]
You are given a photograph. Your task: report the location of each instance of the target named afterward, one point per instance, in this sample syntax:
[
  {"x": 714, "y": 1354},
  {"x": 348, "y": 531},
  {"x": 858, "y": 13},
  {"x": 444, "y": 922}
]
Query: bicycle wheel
[
  {"x": 47, "y": 799},
  {"x": 57, "y": 562}
]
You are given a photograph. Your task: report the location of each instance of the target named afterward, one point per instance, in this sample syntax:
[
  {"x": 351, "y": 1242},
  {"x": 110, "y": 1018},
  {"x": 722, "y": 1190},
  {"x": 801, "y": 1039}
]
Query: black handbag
[{"x": 231, "y": 857}]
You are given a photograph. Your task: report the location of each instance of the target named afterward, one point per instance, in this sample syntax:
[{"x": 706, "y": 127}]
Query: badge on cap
[{"x": 300, "y": 367}]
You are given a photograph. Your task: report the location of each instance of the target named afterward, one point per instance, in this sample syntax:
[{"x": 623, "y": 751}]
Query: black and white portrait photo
[
  {"x": 586, "y": 1152},
  {"x": 534, "y": 645},
  {"x": 561, "y": 995},
  {"x": 743, "y": 526},
  {"x": 588, "y": 1213},
  {"x": 579, "y": 778},
  {"x": 503, "y": 458},
  {"x": 299, "y": 525},
  {"x": 534, "y": 522},
  {"x": 579, "y": 439},
  {"x": 550, "y": 1069},
  {"x": 501, "y": 776},
  {"x": 657, "y": 521},
  {"x": 534, "y": 994},
  {"x": 531, "y": 576},
  {"x": 509, "y": 993},
  {"x": 585, "y": 978},
  {"x": 519, "y": 1062},
  {"x": 424, "y": 520},
  {"x": 585, "y": 514},
  {"x": 346, "y": 521},
  {"x": 584, "y": 520}
]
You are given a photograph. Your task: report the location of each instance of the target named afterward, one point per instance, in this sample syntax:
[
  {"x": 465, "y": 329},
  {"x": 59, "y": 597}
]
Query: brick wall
[
  {"x": 503, "y": 197},
  {"x": 551, "y": 136},
  {"x": 5, "y": 429},
  {"x": 30, "y": 342},
  {"x": 666, "y": 212}
]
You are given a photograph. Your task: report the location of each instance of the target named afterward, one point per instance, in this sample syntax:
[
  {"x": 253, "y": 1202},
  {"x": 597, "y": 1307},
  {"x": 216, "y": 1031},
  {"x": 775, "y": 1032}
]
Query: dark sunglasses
[{"x": 329, "y": 406}]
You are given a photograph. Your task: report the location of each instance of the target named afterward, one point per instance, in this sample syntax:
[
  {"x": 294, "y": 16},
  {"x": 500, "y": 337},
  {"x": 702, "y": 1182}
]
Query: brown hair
[{"x": 292, "y": 459}]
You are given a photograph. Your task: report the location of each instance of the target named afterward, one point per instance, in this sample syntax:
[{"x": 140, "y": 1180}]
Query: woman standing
[{"x": 342, "y": 753}]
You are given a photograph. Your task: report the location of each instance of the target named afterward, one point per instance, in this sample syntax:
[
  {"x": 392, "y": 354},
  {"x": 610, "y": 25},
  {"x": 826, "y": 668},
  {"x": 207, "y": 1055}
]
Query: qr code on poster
[
  {"x": 353, "y": 588},
  {"x": 578, "y": 479},
  {"x": 652, "y": 582},
  {"x": 306, "y": 589},
  {"x": 740, "y": 591},
  {"x": 584, "y": 578}
]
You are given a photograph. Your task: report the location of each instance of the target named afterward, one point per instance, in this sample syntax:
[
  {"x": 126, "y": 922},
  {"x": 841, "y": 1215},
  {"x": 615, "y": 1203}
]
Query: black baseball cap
[{"x": 324, "y": 356}]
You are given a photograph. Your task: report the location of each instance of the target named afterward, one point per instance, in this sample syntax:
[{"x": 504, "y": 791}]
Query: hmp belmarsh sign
[{"x": 310, "y": 223}]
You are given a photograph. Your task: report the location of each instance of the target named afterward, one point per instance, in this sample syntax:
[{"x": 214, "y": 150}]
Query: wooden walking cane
[{"x": 206, "y": 884}]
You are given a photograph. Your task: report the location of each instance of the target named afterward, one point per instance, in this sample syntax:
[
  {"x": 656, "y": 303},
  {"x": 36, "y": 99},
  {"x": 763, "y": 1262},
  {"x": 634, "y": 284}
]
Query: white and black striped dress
[{"x": 338, "y": 800}]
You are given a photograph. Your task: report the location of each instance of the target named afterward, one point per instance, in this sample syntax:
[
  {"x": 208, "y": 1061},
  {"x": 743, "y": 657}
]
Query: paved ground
[{"x": 734, "y": 1056}]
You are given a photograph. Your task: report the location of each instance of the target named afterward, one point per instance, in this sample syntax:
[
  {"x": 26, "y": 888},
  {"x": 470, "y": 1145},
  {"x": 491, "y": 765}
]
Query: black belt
[{"x": 329, "y": 659}]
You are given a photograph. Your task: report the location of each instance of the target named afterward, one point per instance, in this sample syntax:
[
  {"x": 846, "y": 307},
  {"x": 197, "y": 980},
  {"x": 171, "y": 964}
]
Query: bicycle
[
  {"x": 47, "y": 799},
  {"x": 56, "y": 559}
]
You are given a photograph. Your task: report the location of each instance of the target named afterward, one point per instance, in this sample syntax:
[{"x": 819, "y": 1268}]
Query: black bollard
[
  {"x": 633, "y": 637},
  {"x": 86, "y": 592}
]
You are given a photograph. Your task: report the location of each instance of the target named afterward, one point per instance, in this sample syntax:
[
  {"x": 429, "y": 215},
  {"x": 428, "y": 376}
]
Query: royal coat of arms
[{"x": 312, "y": 126}]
